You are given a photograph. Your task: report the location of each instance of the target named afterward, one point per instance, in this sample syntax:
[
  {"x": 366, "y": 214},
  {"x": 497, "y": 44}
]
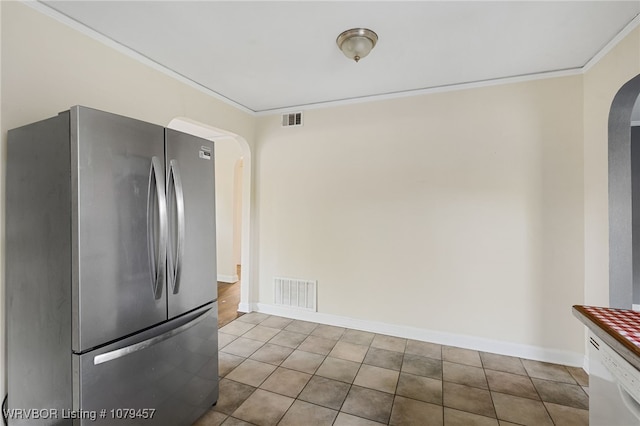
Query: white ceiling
[{"x": 268, "y": 55}]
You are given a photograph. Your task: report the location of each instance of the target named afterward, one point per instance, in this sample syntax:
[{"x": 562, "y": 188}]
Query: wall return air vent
[
  {"x": 294, "y": 293},
  {"x": 292, "y": 119}
]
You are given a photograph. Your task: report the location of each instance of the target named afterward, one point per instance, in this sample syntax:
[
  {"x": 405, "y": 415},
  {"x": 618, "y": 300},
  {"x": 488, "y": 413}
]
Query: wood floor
[{"x": 228, "y": 299}]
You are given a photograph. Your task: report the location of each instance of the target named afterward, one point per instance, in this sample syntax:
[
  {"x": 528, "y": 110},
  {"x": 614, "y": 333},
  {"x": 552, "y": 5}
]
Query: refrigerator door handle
[
  {"x": 156, "y": 197},
  {"x": 178, "y": 192},
  {"x": 119, "y": 353}
]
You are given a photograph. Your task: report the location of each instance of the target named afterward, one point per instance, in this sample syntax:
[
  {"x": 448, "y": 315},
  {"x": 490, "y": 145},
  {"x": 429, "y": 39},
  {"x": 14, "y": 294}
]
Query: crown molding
[
  {"x": 46, "y": 10},
  {"x": 632, "y": 25},
  {"x": 425, "y": 91},
  {"x": 70, "y": 22}
]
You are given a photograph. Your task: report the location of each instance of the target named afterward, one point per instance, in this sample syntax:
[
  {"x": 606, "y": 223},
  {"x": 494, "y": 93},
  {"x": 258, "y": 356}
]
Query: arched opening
[
  {"x": 624, "y": 288},
  {"x": 240, "y": 207}
]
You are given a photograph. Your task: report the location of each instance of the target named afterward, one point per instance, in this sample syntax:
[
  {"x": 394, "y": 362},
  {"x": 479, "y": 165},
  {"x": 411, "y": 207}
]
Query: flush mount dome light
[{"x": 356, "y": 43}]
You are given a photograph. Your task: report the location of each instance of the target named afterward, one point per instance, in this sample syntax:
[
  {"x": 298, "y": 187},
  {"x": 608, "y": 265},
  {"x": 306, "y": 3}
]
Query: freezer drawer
[{"x": 162, "y": 377}]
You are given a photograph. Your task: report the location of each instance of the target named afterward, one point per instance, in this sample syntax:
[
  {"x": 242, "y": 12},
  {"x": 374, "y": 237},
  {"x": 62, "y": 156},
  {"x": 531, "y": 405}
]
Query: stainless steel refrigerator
[{"x": 110, "y": 272}]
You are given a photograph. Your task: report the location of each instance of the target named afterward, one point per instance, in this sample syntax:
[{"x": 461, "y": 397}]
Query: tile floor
[{"x": 278, "y": 371}]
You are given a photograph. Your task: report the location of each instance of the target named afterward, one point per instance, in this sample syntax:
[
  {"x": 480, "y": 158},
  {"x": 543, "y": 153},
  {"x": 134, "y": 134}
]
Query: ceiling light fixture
[{"x": 356, "y": 43}]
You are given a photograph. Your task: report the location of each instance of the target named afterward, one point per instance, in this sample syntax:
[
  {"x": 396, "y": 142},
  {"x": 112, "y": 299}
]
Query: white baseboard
[
  {"x": 245, "y": 307},
  {"x": 556, "y": 356},
  {"x": 228, "y": 278}
]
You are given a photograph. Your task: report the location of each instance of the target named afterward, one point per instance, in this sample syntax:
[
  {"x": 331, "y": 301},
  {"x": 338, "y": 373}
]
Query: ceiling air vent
[{"x": 292, "y": 119}]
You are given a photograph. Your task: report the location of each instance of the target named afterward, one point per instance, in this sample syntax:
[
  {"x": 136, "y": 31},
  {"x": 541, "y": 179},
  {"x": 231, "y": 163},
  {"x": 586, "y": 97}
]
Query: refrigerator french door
[
  {"x": 111, "y": 273},
  {"x": 190, "y": 194}
]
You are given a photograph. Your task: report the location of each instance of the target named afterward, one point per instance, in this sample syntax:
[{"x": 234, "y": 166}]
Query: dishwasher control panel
[{"x": 626, "y": 374}]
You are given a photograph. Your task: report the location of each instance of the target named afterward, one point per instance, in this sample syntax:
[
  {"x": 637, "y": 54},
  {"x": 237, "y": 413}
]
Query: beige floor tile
[
  {"x": 252, "y": 318},
  {"x": 420, "y": 388},
  {"x": 303, "y": 361},
  {"x": 461, "y": 356},
  {"x": 303, "y": 327},
  {"x": 377, "y": 378},
  {"x": 426, "y": 349},
  {"x": 338, "y": 369},
  {"x": 504, "y": 363},
  {"x": 272, "y": 354},
  {"x": 462, "y": 418},
  {"x": 286, "y": 382},
  {"x": 263, "y": 408},
  {"x": 289, "y": 339},
  {"x": 345, "y": 419},
  {"x": 579, "y": 375},
  {"x": 227, "y": 362},
  {"x": 512, "y": 384},
  {"x": 384, "y": 358},
  {"x": 358, "y": 337},
  {"x": 276, "y": 322},
  {"x": 328, "y": 331},
  {"x": 232, "y": 395},
  {"x": 389, "y": 343},
  {"x": 261, "y": 333},
  {"x": 349, "y": 377},
  {"x": 411, "y": 412},
  {"x": 520, "y": 410},
  {"x": 317, "y": 345},
  {"x": 561, "y": 393},
  {"x": 232, "y": 421},
  {"x": 224, "y": 339},
  {"x": 421, "y": 366},
  {"x": 466, "y": 398},
  {"x": 547, "y": 371},
  {"x": 368, "y": 403},
  {"x": 237, "y": 328},
  {"x": 326, "y": 392},
  {"x": 567, "y": 416},
  {"x": 211, "y": 418},
  {"x": 312, "y": 415},
  {"x": 251, "y": 372},
  {"x": 349, "y": 351},
  {"x": 464, "y": 375},
  {"x": 242, "y": 347}
]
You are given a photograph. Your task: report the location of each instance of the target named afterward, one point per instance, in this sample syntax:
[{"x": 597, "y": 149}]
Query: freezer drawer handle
[
  {"x": 156, "y": 197},
  {"x": 177, "y": 239},
  {"x": 119, "y": 353}
]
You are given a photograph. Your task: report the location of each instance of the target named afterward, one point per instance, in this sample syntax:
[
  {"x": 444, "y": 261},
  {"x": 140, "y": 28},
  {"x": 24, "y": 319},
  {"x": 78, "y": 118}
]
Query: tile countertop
[{"x": 619, "y": 328}]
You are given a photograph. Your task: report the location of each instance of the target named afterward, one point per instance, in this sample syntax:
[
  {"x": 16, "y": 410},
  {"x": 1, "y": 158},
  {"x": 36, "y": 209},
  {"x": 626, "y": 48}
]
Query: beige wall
[
  {"x": 460, "y": 212},
  {"x": 48, "y": 67},
  {"x": 237, "y": 211},
  {"x": 601, "y": 83},
  {"x": 227, "y": 155}
]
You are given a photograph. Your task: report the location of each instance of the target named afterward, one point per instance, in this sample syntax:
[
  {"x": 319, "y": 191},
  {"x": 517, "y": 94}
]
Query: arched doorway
[
  {"x": 621, "y": 229},
  {"x": 219, "y": 135}
]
